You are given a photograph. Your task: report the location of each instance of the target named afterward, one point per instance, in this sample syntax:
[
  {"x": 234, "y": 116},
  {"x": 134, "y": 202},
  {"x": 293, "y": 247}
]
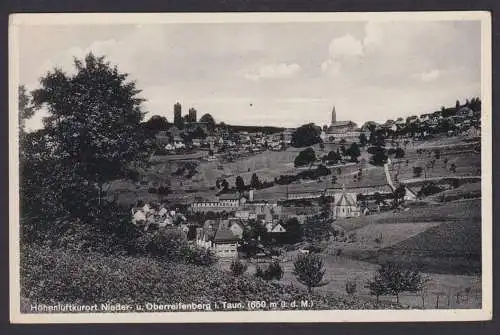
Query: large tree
[
  {"x": 25, "y": 106},
  {"x": 309, "y": 270},
  {"x": 94, "y": 126},
  {"x": 209, "y": 120},
  {"x": 156, "y": 123},
  {"x": 306, "y": 135},
  {"x": 305, "y": 157},
  {"x": 240, "y": 184}
]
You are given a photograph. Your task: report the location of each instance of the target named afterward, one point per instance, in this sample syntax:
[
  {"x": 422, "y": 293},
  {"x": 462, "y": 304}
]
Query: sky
[{"x": 281, "y": 74}]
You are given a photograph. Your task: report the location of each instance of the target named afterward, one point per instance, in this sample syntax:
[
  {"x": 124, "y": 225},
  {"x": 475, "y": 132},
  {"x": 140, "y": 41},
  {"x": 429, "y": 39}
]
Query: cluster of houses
[
  {"x": 461, "y": 120},
  {"x": 175, "y": 140},
  {"x": 157, "y": 216}
]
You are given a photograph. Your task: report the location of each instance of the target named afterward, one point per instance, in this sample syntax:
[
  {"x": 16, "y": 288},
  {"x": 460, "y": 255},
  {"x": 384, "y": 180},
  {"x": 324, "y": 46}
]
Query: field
[
  {"x": 466, "y": 191},
  {"x": 441, "y": 238},
  {"x": 339, "y": 269},
  {"x": 271, "y": 164}
]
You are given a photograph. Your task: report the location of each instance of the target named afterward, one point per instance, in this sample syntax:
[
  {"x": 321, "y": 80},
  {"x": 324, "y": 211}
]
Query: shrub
[
  {"x": 417, "y": 171},
  {"x": 259, "y": 273},
  {"x": 238, "y": 268},
  {"x": 352, "y": 237},
  {"x": 429, "y": 188},
  {"x": 164, "y": 243},
  {"x": 273, "y": 271},
  {"x": 152, "y": 190},
  {"x": 198, "y": 256},
  {"x": 350, "y": 287}
]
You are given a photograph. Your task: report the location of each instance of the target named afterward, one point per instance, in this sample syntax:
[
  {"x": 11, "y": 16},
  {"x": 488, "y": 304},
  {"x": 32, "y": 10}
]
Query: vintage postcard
[{"x": 251, "y": 167}]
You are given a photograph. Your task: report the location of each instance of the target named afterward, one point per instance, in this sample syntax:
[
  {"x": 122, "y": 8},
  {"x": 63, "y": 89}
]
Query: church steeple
[{"x": 334, "y": 115}]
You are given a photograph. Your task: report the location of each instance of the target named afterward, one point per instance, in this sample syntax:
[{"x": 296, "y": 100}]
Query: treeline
[{"x": 254, "y": 129}]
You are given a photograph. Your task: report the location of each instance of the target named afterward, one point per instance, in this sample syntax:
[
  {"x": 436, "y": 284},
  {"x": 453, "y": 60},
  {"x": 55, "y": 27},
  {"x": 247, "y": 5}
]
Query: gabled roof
[
  {"x": 225, "y": 235},
  {"x": 345, "y": 200}
]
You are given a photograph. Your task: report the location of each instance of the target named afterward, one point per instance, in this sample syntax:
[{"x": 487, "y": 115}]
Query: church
[{"x": 338, "y": 130}]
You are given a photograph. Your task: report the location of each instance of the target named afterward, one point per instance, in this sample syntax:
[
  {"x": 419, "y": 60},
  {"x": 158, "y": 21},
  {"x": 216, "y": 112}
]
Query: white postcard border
[{"x": 485, "y": 313}]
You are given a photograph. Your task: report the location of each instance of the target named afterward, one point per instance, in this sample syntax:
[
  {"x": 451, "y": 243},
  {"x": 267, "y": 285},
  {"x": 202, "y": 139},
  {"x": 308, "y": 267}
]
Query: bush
[
  {"x": 273, "y": 271},
  {"x": 259, "y": 273},
  {"x": 429, "y": 188},
  {"x": 238, "y": 268},
  {"x": 350, "y": 287},
  {"x": 198, "y": 256},
  {"x": 163, "y": 243},
  {"x": 417, "y": 171}
]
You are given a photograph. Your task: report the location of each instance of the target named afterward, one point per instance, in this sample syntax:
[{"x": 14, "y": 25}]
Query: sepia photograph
[{"x": 258, "y": 167}]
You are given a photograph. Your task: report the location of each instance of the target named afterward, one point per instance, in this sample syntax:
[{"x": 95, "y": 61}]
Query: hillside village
[
  {"x": 117, "y": 209},
  {"x": 319, "y": 192}
]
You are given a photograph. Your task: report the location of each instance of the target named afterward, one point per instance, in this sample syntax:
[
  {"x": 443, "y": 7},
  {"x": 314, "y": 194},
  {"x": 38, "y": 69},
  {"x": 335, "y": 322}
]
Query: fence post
[
  {"x": 448, "y": 300},
  {"x": 458, "y": 296},
  {"x": 423, "y": 301},
  {"x": 437, "y": 301}
]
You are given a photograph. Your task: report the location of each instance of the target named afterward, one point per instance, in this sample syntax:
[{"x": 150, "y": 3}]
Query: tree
[
  {"x": 453, "y": 168},
  {"x": 305, "y": 157},
  {"x": 379, "y": 156},
  {"x": 363, "y": 140},
  {"x": 417, "y": 171},
  {"x": 255, "y": 182},
  {"x": 377, "y": 138},
  {"x": 399, "y": 194},
  {"x": 198, "y": 133},
  {"x": 309, "y": 270},
  {"x": 399, "y": 153},
  {"x": 209, "y": 120},
  {"x": 224, "y": 184},
  {"x": 294, "y": 231},
  {"x": 25, "y": 106},
  {"x": 273, "y": 271},
  {"x": 377, "y": 286},
  {"x": 238, "y": 268},
  {"x": 333, "y": 157},
  {"x": 354, "y": 152},
  {"x": 94, "y": 128},
  {"x": 155, "y": 124},
  {"x": 240, "y": 184},
  {"x": 350, "y": 287},
  {"x": 391, "y": 278},
  {"x": 306, "y": 135},
  {"x": 429, "y": 188}
]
